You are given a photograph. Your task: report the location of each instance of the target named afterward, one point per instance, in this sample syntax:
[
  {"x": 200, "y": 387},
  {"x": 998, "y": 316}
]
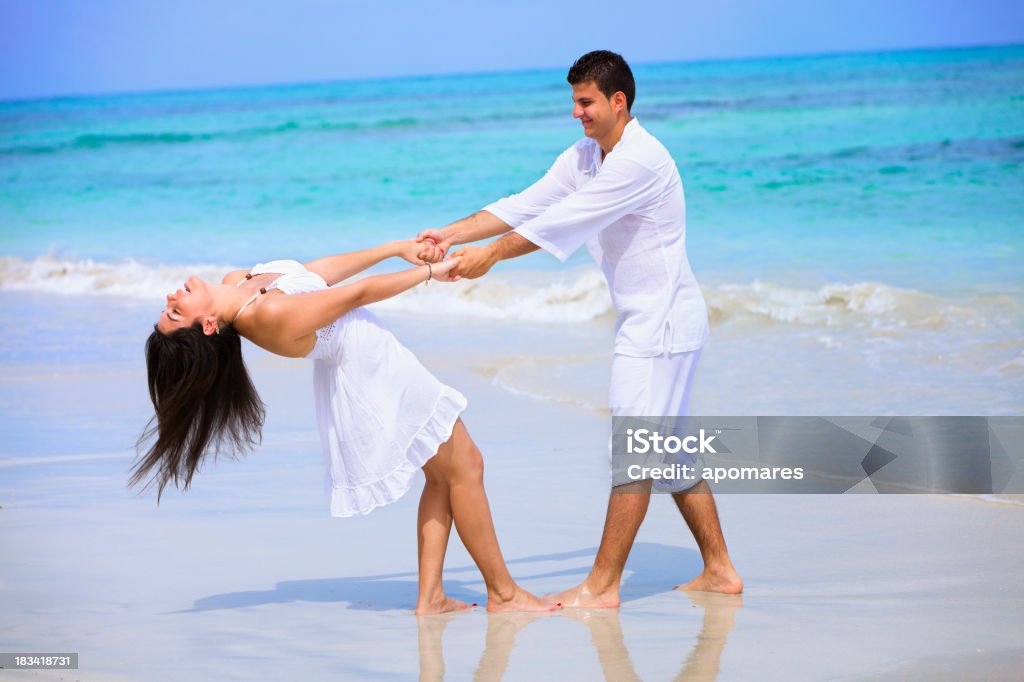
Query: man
[{"x": 619, "y": 192}]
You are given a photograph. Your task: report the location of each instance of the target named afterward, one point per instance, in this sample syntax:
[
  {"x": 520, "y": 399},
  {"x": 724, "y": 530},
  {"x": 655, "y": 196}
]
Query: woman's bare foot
[
  {"x": 520, "y": 600},
  {"x": 442, "y": 605},
  {"x": 583, "y": 597},
  {"x": 724, "y": 581}
]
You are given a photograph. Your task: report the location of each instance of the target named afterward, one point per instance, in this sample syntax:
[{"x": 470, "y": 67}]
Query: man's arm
[
  {"x": 477, "y": 260},
  {"x": 503, "y": 215},
  {"x": 480, "y": 225},
  {"x": 622, "y": 186}
]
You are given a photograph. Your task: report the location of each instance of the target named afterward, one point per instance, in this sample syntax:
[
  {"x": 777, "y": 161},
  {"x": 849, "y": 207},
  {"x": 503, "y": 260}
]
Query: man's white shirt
[{"x": 630, "y": 212}]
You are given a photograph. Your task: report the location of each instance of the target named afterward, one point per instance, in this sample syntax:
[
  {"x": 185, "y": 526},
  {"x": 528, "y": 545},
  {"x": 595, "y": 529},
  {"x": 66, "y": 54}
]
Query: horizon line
[{"x": 490, "y": 72}]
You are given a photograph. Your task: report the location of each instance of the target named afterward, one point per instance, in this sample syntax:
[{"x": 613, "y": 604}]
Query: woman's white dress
[{"x": 381, "y": 414}]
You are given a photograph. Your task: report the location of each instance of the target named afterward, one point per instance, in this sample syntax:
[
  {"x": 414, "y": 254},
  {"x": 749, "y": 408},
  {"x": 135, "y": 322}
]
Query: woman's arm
[
  {"x": 287, "y": 318},
  {"x": 335, "y": 269}
]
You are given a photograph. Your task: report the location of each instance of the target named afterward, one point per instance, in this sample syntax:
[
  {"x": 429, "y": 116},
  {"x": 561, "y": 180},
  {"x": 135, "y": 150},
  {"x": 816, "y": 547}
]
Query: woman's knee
[
  {"x": 470, "y": 462},
  {"x": 458, "y": 460},
  {"x": 466, "y": 460},
  {"x": 434, "y": 472}
]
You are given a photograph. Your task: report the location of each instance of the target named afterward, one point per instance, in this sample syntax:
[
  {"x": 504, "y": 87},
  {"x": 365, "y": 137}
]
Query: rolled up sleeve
[
  {"x": 556, "y": 184},
  {"x": 621, "y": 187}
]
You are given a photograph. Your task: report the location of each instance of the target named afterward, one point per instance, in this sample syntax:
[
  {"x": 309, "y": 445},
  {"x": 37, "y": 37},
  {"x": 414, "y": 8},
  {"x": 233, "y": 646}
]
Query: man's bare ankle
[
  {"x": 720, "y": 567},
  {"x": 600, "y": 585}
]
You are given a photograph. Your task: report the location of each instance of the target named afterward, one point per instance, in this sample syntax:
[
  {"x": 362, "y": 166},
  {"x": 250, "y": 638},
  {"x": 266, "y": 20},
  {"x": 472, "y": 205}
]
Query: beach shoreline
[{"x": 247, "y": 575}]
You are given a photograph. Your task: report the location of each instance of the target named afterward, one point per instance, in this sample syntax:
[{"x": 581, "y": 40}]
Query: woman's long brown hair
[{"x": 204, "y": 401}]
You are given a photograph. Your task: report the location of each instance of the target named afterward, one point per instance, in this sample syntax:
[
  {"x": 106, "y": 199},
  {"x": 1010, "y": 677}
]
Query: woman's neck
[{"x": 228, "y": 300}]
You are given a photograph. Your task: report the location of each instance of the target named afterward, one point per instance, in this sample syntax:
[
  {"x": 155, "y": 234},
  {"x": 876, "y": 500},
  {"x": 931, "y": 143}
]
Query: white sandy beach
[{"x": 247, "y": 577}]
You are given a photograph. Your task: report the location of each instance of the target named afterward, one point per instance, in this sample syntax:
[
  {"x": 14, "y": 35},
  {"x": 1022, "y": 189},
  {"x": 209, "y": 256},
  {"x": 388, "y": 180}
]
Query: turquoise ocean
[{"x": 855, "y": 220}]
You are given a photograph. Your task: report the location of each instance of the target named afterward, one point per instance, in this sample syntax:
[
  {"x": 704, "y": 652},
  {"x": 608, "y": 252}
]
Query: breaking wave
[{"x": 544, "y": 296}]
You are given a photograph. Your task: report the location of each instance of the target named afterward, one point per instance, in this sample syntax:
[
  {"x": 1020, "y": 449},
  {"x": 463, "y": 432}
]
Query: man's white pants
[{"x": 655, "y": 387}]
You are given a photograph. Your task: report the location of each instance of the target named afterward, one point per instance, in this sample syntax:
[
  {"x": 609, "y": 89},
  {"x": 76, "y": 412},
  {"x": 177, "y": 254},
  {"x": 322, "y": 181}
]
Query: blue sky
[{"x": 58, "y": 47}]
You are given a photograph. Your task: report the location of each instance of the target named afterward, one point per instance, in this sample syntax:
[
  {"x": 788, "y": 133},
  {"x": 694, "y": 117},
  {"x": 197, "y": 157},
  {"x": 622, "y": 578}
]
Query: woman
[{"x": 382, "y": 415}]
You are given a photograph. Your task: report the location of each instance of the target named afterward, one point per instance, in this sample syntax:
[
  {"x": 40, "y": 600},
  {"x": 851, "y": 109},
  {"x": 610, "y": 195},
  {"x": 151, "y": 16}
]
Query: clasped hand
[
  {"x": 414, "y": 252},
  {"x": 474, "y": 260}
]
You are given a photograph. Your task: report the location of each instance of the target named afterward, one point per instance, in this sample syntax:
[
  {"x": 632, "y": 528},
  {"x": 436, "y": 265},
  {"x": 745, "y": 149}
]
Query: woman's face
[{"x": 186, "y": 306}]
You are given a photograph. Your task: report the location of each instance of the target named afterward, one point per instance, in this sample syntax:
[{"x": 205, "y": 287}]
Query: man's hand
[
  {"x": 476, "y": 261},
  {"x": 434, "y": 245}
]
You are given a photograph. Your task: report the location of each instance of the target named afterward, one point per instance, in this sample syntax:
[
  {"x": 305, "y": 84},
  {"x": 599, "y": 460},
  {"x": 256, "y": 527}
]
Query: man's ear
[
  {"x": 210, "y": 326},
  {"x": 619, "y": 101}
]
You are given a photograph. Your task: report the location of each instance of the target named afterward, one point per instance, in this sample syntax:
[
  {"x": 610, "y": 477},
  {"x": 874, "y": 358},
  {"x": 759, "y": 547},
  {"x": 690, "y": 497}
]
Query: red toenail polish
[
  {"x": 558, "y": 603},
  {"x": 474, "y": 603}
]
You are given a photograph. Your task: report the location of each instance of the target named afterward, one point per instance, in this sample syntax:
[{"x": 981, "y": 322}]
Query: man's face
[{"x": 593, "y": 109}]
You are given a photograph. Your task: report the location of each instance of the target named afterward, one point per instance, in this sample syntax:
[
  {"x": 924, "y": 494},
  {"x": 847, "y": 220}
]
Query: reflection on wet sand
[
  {"x": 606, "y": 637},
  {"x": 719, "y": 612},
  {"x": 702, "y": 662},
  {"x": 431, "y": 633},
  {"x": 502, "y": 629}
]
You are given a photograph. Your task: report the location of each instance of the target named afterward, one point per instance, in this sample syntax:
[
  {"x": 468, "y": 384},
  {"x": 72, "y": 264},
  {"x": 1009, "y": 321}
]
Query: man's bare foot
[
  {"x": 714, "y": 601},
  {"x": 521, "y": 600},
  {"x": 442, "y": 605},
  {"x": 582, "y": 597},
  {"x": 724, "y": 581}
]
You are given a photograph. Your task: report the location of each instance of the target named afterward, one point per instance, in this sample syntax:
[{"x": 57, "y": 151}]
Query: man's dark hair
[{"x": 609, "y": 70}]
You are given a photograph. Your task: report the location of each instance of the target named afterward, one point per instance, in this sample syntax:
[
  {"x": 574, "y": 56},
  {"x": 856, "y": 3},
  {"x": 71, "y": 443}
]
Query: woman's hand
[
  {"x": 442, "y": 271},
  {"x": 410, "y": 250}
]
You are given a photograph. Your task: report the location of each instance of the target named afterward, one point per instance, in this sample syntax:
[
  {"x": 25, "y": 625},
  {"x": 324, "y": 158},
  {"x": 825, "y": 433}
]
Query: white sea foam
[
  {"x": 1016, "y": 365},
  {"x": 127, "y": 278},
  {"x": 1013, "y": 500},
  {"x": 527, "y": 296},
  {"x": 549, "y": 296},
  {"x": 41, "y": 460},
  {"x": 862, "y": 304}
]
